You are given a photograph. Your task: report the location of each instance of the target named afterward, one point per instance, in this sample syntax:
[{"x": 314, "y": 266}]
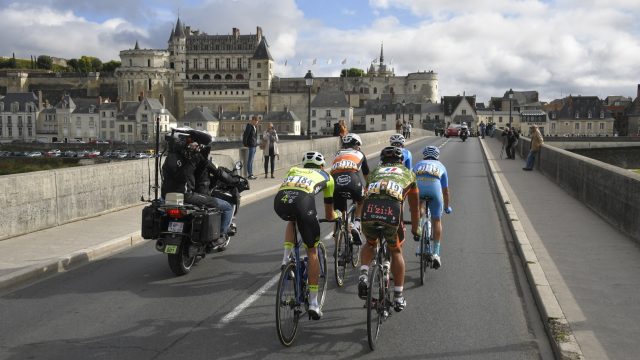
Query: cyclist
[
  {"x": 347, "y": 165},
  {"x": 433, "y": 183},
  {"x": 389, "y": 184},
  {"x": 398, "y": 141},
  {"x": 295, "y": 201}
]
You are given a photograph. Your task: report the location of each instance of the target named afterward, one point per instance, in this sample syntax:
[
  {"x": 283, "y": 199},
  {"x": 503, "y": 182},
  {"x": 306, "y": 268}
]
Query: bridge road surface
[{"x": 130, "y": 306}]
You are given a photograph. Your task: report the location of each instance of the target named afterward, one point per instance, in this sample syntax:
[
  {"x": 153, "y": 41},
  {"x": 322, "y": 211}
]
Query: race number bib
[
  {"x": 300, "y": 182},
  {"x": 387, "y": 187},
  {"x": 343, "y": 165},
  {"x": 429, "y": 169}
]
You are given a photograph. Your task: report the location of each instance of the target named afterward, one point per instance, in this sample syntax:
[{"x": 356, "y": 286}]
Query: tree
[
  {"x": 96, "y": 64},
  {"x": 44, "y": 62},
  {"x": 73, "y": 64},
  {"x": 352, "y": 72},
  {"x": 111, "y": 66}
]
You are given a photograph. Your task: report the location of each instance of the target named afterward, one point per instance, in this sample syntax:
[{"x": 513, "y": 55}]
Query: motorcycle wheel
[{"x": 181, "y": 262}]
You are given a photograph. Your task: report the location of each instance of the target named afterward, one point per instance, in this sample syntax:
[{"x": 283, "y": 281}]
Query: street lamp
[
  {"x": 308, "y": 79},
  {"x": 510, "y": 99},
  {"x": 403, "y": 124}
]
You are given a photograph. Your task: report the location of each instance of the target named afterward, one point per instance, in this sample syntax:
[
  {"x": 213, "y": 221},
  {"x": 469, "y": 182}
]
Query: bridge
[{"x": 540, "y": 264}]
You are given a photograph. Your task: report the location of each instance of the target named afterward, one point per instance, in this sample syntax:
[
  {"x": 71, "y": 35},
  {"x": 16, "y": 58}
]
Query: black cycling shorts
[
  {"x": 299, "y": 206},
  {"x": 347, "y": 186}
]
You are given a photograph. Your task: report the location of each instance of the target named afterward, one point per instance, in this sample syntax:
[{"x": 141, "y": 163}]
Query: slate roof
[
  {"x": 179, "y": 31},
  {"x": 21, "y": 98},
  {"x": 154, "y": 104},
  {"x": 331, "y": 98},
  {"x": 83, "y": 106},
  {"x": 280, "y": 116},
  {"x": 66, "y": 103},
  {"x": 454, "y": 101},
  {"x": 581, "y": 105},
  {"x": 431, "y": 108},
  {"x": 262, "y": 51},
  {"x": 200, "y": 114},
  {"x": 128, "y": 111}
]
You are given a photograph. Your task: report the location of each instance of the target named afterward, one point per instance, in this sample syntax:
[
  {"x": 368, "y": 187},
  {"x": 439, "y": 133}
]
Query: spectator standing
[
  {"x": 483, "y": 129},
  {"x": 250, "y": 140},
  {"x": 409, "y": 130},
  {"x": 269, "y": 147},
  {"x": 342, "y": 133},
  {"x": 398, "y": 126},
  {"x": 404, "y": 129},
  {"x": 536, "y": 145}
]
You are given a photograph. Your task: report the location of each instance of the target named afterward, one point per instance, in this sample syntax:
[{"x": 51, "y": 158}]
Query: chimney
[
  {"x": 236, "y": 33},
  {"x": 39, "y": 99},
  {"x": 258, "y": 34},
  {"x": 162, "y": 100},
  {"x": 140, "y": 96}
]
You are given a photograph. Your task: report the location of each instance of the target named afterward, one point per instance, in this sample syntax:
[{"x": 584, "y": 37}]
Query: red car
[{"x": 452, "y": 130}]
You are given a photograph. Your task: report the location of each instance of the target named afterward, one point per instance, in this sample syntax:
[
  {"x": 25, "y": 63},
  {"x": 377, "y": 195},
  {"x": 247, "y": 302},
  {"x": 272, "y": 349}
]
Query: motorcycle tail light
[{"x": 175, "y": 213}]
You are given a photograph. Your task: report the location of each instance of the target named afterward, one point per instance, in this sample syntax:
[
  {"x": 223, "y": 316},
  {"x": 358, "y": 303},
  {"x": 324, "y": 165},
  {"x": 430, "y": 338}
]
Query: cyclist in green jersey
[
  {"x": 389, "y": 184},
  {"x": 295, "y": 201}
]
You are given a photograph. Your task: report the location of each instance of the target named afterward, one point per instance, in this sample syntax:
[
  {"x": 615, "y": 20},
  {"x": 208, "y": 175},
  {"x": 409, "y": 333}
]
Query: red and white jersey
[{"x": 347, "y": 160}]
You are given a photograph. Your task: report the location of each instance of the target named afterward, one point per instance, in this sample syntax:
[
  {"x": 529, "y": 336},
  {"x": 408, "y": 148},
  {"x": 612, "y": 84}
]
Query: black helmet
[{"x": 391, "y": 154}]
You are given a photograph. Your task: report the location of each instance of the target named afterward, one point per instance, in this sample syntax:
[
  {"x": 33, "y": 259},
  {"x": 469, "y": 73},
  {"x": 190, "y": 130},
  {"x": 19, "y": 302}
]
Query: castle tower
[
  {"x": 178, "y": 51},
  {"x": 261, "y": 75}
]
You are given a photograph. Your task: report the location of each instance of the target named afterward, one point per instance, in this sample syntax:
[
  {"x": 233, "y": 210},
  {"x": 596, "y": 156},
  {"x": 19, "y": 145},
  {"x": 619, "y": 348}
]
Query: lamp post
[
  {"x": 510, "y": 99},
  {"x": 308, "y": 79},
  {"x": 403, "y": 124}
]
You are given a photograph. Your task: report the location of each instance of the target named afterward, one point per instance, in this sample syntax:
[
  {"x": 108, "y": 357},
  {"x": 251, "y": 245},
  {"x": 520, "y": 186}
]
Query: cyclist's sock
[
  {"x": 397, "y": 291},
  {"x": 364, "y": 269},
  {"x": 288, "y": 248},
  {"x": 313, "y": 295},
  {"x": 436, "y": 247}
]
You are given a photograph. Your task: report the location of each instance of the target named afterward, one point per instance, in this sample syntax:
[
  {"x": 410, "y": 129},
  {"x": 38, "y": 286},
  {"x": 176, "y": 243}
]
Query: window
[
  {"x": 240, "y": 63},
  {"x": 601, "y": 126},
  {"x": 187, "y": 123},
  {"x": 577, "y": 126},
  {"x": 149, "y": 84},
  {"x": 313, "y": 123},
  {"x": 464, "y": 112},
  {"x": 121, "y": 128},
  {"x": 328, "y": 113},
  {"x": 589, "y": 116},
  {"x": 313, "y": 113},
  {"x": 499, "y": 119},
  {"x": 112, "y": 124},
  {"x": 259, "y": 75},
  {"x": 228, "y": 77},
  {"x": 553, "y": 126},
  {"x": 372, "y": 121},
  {"x": 577, "y": 114},
  {"x": 375, "y": 90},
  {"x": 228, "y": 63},
  {"x": 206, "y": 64},
  {"x": 103, "y": 124},
  {"x": 195, "y": 64},
  {"x": 217, "y": 63},
  {"x": 148, "y": 63},
  {"x": 553, "y": 115},
  {"x": 259, "y": 84},
  {"x": 130, "y": 62},
  {"x": 343, "y": 113},
  {"x": 601, "y": 114},
  {"x": 199, "y": 125},
  {"x": 328, "y": 123},
  {"x": 410, "y": 116},
  {"x": 129, "y": 128},
  {"x": 588, "y": 126},
  {"x": 258, "y": 65}
]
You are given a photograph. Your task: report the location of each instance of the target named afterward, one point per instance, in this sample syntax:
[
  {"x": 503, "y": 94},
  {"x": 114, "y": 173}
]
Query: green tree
[
  {"x": 44, "y": 62},
  {"x": 84, "y": 64},
  {"x": 352, "y": 72},
  {"x": 73, "y": 65},
  {"x": 96, "y": 64},
  {"x": 111, "y": 66}
]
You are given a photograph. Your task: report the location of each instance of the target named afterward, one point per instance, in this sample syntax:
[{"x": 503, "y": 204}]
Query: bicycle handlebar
[{"x": 327, "y": 220}]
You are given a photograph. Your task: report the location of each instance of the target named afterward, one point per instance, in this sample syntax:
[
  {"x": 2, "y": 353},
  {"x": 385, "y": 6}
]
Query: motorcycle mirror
[{"x": 238, "y": 165}]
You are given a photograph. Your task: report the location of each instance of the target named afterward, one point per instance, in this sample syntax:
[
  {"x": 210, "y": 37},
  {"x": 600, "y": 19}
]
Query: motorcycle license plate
[
  {"x": 171, "y": 249},
  {"x": 176, "y": 227}
]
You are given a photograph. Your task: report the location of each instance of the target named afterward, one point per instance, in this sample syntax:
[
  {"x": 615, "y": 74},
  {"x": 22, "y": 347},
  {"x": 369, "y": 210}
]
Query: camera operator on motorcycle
[{"x": 186, "y": 170}]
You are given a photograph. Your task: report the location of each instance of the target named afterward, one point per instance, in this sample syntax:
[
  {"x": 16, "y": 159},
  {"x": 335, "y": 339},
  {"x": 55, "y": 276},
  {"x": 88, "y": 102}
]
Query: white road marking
[{"x": 255, "y": 296}]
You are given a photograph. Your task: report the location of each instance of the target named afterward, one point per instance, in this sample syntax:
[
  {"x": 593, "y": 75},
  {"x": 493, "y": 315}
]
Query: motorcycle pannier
[
  {"x": 206, "y": 225},
  {"x": 150, "y": 222}
]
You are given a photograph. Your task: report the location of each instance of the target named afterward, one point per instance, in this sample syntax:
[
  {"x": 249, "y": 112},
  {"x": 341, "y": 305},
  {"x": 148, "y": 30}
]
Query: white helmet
[
  {"x": 464, "y": 123},
  {"x": 351, "y": 139},
  {"x": 396, "y": 139},
  {"x": 312, "y": 157}
]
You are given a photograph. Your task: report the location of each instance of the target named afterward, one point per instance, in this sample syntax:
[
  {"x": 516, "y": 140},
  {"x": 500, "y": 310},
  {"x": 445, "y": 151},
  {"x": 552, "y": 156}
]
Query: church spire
[
  {"x": 381, "y": 53},
  {"x": 137, "y": 47}
]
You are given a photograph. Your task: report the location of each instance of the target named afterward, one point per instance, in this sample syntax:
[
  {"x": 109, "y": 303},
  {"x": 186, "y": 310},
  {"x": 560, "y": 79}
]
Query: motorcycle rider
[
  {"x": 463, "y": 130},
  {"x": 183, "y": 172}
]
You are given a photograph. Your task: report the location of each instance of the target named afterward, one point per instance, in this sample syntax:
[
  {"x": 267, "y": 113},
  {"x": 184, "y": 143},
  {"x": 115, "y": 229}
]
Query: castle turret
[{"x": 261, "y": 73}]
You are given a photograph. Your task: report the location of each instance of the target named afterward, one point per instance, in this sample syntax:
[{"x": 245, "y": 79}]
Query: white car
[{"x": 34, "y": 154}]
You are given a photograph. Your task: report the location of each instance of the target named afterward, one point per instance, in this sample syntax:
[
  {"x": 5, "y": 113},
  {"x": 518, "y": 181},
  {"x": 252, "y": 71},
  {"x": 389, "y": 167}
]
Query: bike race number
[
  {"x": 388, "y": 187},
  {"x": 298, "y": 181},
  {"x": 344, "y": 165},
  {"x": 428, "y": 169}
]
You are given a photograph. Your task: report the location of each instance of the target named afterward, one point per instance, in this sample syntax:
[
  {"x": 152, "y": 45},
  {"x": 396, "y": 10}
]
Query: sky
[{"x": 477, "y": 47}]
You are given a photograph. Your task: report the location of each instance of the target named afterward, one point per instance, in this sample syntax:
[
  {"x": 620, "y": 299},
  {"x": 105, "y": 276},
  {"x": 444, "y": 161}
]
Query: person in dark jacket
[
  {"x": 184, "y": 169},
  {"x": 250, "y": 140},
  {"x": 512, "y": 141}
]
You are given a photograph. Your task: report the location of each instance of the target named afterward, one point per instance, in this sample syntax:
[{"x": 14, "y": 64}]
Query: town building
[
  {"x": 579, "y": 116},
  {"x": 18, "y": 116}
]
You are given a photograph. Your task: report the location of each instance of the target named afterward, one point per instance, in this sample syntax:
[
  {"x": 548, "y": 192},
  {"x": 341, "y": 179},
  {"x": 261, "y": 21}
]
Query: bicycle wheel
[
  {"x": 340, "y": 260},
  {"x": 354, "y": 249},
  {"x": 287, "y": 307},
  {"x": 424, "y": 256},
  {"x": 375, "y": 305},
  {"x": 324, "y": 273}
]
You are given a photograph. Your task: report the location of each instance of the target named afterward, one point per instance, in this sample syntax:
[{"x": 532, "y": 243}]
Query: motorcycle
[
  {"x": 185, "y": 232},
  {"x": 463, "y": 134}
]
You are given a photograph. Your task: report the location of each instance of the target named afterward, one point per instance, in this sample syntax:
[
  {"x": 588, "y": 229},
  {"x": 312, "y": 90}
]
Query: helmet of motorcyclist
[
  {"x": 351, "y": 140},
  {"x": 464, "y": 123},
  {"x": 312, "y": 159},
  {"x": 431, "y": 152},
  {"x": 391, "y": 154},
  {"x": 397, "y": 140}
]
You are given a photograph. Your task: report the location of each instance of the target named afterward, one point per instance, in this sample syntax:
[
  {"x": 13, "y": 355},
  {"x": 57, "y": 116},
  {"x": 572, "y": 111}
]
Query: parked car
[
  {"x": 5, "y": 153},
  {"x": 141, "y": 155},
  {"x": 54, "y": 153},
  {"x": 452, "y": 130},
  {"x": 70, "y": 153},
  {"x": 34, "y": 154}
]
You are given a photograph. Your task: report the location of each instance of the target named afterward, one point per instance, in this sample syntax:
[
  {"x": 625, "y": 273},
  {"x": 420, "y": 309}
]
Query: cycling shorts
[
  {"x": 386, "y": 214},
  {"x": 348, "y": 185},
  {"x": 299, "y": 206},
  {"x": 433, "y": 191}
]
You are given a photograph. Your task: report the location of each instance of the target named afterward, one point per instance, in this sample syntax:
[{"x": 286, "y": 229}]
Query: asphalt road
[{"x": 130, "y": 306}]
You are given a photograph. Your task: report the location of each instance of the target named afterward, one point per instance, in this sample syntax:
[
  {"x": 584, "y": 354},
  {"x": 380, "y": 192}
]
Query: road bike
[
  {"x": 379, "y": 297},
  {"x": 292, "y": 296},
  {"x": 425, "y": 252},
  {"x": 346, "y": 251}
]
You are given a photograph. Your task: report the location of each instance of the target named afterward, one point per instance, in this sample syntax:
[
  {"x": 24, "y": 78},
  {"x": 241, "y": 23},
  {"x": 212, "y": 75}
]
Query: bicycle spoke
[{"x": 287, "y": 307}]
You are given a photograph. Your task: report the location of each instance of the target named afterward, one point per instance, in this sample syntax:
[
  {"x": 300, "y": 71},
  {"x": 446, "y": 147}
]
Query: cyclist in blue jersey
[
  {"x": 398, "y": 141},
  {"x": 433, "y": 183}
]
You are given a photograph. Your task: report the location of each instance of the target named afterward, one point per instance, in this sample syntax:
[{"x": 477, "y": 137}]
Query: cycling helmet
[
  {"x": 431, "y": 152},
  {"x": 396, "y": 140},
  {"x": 313, "y": 158},
  {"x": 391, "y": 153},
  {"x": 351, "y": 139}
]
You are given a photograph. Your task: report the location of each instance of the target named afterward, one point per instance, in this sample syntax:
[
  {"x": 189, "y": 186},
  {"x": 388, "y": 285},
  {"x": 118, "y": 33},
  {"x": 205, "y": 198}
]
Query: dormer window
[
  {"x": 589, "y": 115},
  {"x": 577, "y": 114},
  {"x": 601, "y": 114},
  {"x": 553, "y": 114}
]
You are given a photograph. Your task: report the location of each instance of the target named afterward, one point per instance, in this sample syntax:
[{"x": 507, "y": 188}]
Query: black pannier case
[
  {"x": 150, "y": 222},
  {"x": 206, "y": 225}
]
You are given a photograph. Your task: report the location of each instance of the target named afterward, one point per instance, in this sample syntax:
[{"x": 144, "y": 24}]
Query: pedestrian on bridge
[{"x": 536, "y": 145}]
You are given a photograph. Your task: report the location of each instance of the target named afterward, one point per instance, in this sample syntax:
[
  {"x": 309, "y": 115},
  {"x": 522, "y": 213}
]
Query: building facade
[{"x": 18, "y": 116}]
